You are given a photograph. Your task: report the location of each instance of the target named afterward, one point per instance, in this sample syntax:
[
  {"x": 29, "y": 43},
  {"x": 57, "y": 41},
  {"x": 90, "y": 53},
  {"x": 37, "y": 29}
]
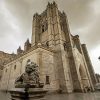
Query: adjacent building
[{"x": 4, "y": 59}]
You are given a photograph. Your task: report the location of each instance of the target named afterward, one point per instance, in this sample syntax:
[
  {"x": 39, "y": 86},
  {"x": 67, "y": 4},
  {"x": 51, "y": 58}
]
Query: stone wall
[{"x": 40, "y": 56}]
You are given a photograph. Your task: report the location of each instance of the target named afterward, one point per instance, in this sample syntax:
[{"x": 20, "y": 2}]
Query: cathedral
[{"x": 64, "y": 63}]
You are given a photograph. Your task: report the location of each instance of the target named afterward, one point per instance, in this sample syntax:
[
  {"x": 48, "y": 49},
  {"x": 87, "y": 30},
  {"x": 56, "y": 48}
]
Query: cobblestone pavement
[{"x": 74, "y": 96}]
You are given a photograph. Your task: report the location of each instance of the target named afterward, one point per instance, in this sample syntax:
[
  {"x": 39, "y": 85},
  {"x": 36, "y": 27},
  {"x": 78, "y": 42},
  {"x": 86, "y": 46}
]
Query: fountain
[{"x": 28, "y": 85}]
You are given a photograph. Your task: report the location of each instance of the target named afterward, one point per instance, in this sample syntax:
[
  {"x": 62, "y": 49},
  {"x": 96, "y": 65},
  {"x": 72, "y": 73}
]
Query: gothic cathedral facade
[{"x": 64, "y": 63}]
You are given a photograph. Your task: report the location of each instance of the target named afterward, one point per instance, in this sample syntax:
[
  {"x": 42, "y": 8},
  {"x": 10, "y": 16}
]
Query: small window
[
  {"x": 15, "y": 67},
  {"x": 47, "y": 43},
  {"x": 47, "y": 80},
  {"x": 65, "y": 46},
  {"x": 43, "y": 28}
]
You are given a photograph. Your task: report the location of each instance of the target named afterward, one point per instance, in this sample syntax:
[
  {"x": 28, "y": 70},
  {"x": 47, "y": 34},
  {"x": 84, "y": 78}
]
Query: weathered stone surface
[
  {"x": 4, "y": 58},
  {"x": 63, "y": 64}
]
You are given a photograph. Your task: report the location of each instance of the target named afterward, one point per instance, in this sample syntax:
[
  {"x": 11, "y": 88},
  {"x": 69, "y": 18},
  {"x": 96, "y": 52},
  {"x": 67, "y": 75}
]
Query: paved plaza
[{"x": 74, "y": 96}]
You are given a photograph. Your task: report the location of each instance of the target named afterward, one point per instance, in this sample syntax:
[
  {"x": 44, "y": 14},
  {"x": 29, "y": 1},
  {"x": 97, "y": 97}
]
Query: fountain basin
[{"x": 31, "y": 94}]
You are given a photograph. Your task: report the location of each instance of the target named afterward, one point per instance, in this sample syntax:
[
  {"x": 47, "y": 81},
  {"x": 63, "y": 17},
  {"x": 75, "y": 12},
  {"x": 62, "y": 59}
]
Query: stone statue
[
  {"x": 29, "y": 79},
  {"x": 30, "y": 82}
]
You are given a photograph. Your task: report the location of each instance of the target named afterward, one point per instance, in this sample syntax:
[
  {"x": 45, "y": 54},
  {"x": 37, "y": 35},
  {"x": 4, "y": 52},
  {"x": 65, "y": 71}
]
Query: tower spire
[{"x": 54, "y": 4}]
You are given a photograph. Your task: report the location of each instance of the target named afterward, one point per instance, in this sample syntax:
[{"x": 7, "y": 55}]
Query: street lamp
[{"x": 99, "y": 57}]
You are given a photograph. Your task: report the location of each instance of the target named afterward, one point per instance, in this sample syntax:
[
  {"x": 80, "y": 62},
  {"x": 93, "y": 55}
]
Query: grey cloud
[
  {"x": 78, "y": 12},
  {"x": 23, "y": 10}
]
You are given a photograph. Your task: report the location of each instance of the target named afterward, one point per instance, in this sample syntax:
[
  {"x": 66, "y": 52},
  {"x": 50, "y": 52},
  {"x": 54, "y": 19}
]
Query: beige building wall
[{"x": 43, "y": 58}]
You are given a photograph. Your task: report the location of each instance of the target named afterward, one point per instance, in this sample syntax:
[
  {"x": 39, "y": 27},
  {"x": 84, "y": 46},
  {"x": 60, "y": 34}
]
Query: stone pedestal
[{"x": 31, "y": 94}]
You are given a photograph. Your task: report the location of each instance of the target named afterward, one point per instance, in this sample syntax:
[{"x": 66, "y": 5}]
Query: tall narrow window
[
  {"x": 43, "y": 28},
  {"x": 15, "y": 67},
  {"x": 47, "y": 43},
  {"x": 47, "y": 80},
  {"x": 65, "y": 46}
]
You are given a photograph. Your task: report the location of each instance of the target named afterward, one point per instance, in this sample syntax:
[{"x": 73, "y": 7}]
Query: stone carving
[
  {"x": 29, "y": 79},
  {"x": 30, "y": 82}
]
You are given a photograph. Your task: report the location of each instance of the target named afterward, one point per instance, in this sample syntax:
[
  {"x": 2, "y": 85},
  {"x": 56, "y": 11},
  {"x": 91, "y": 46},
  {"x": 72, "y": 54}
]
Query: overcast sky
[{"x": 83, "y": 15}]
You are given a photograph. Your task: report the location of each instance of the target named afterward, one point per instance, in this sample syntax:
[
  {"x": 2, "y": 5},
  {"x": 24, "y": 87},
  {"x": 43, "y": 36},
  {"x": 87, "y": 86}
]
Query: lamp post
[{"x": 99, "y": 57}]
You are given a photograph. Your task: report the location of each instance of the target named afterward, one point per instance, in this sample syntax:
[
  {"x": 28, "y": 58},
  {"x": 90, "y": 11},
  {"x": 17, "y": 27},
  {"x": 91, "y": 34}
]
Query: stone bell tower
[
  {"x": 42, "y": 29},
  {"x": 51, "y": 29},
  {"x": 47, "y": 26}
]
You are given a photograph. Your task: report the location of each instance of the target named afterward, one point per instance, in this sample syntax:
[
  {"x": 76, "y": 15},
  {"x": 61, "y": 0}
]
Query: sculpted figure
[{"x": 30, "y": 78}]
